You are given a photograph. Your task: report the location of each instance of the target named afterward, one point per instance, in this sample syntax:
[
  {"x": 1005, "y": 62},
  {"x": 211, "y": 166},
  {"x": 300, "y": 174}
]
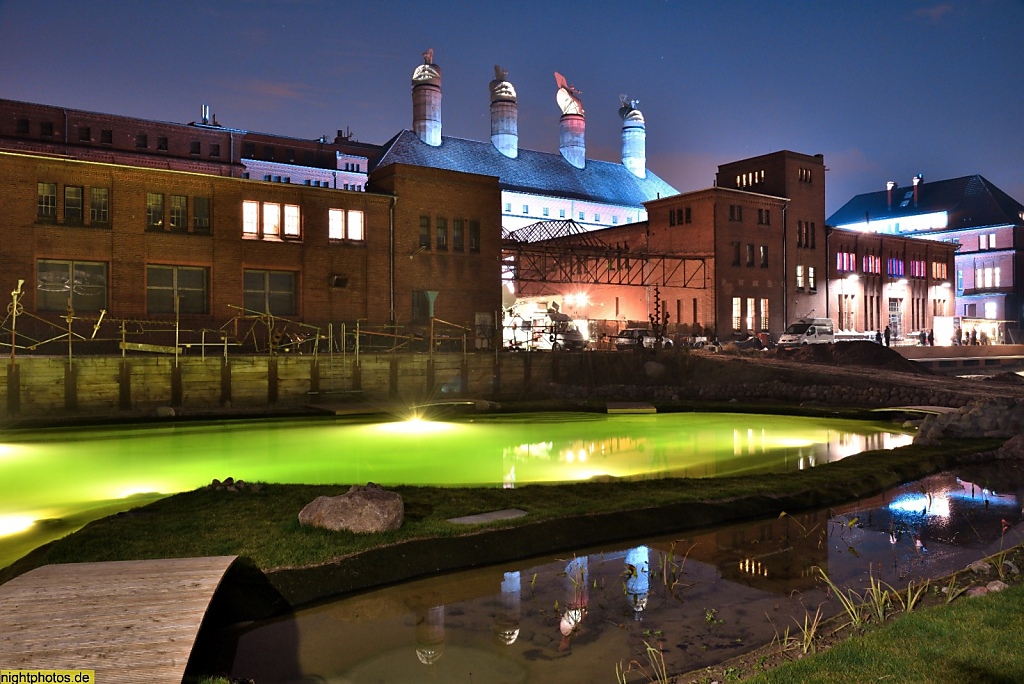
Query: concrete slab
[
  {"x": 490, "y": 516},
  {"x": 630, "y": 407}
]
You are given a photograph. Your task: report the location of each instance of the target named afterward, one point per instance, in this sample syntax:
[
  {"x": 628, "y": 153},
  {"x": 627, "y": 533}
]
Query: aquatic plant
[{"x": 654, "y": 671}]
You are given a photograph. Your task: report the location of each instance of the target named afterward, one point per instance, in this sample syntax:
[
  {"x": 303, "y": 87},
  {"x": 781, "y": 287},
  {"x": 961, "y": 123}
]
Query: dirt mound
[
  {"x": 1008, "y": 376},
  {"x": 851, "y": 354}
]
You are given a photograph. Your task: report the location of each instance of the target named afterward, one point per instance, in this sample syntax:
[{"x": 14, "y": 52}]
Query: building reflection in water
[
  {"x": 704, "y": 451},
  {"x": 751, "y": 577}
]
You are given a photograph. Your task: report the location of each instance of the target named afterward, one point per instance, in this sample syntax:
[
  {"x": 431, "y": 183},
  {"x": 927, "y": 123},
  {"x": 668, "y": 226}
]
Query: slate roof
[
  {"x": 970, "y": 201},
  {"x": 540, "y": 173}
]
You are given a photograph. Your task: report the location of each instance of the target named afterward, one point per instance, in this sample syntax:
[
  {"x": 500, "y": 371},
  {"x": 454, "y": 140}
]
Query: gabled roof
[
  {"x": 539, "y": 173},
  {"x": 970, "y": 202}
]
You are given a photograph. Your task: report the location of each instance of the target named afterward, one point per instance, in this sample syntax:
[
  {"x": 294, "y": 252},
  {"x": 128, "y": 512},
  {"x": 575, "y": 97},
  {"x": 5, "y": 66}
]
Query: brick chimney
[
  {"x": 918, "y": 179},
  {"x": 889, "y": 187}
]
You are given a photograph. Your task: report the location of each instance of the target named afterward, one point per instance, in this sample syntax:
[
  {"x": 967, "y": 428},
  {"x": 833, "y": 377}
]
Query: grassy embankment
[{"x": 262, "y": 525}]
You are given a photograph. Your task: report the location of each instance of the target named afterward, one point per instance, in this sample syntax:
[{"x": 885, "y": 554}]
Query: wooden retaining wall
[{"x": 40, "y": 386}]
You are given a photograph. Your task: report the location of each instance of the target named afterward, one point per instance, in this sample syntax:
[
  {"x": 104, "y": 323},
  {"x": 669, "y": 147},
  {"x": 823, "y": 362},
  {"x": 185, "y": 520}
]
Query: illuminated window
[
  {"x": 292, "y": 225},
  {"x": 799, "y": 277},
  {"x": 737, "y": 313},
  {"x": 356, "y": 225},
  {"x": 764, "y": 310},
  {"x": 764, "y": 256},
  {"x": 812, "y": 283},
  {"x": 186, "y": 284},
  {"x": 154, "y": 210},
  {"x": 990, "y": 310},
  {"x": 201, "y": 214},
  {"x": 336, "y": 224},
  {"x": 179, "y": 212},
  {"x": 271, "y": 219},
  {"x": 750, "y": 314},
  {"x": 983, "y": 241},
  {"x": 764, "y": 217},
  {"x": 46, "y": 200},
  {"x": 72, "y": 204},
  {"x": 270, "y": 292},
  {"x": 81, "y": 285},
  {"x": 250, "y": 218},
  {"x": 960, "y": 281},
  {"x": 995, "y": 277},
  {"x": 99, "y": 205}
]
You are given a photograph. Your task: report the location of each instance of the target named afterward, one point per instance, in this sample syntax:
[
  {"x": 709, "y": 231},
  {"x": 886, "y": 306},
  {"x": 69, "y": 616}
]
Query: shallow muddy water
[{"x": 701, "y": 597}]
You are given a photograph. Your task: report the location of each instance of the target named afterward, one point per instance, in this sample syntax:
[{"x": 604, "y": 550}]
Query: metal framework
[{"x": 564, "y": 252}]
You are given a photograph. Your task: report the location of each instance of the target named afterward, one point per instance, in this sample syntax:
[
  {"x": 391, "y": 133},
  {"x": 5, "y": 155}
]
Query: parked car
[{"x": 630, "y": 338}]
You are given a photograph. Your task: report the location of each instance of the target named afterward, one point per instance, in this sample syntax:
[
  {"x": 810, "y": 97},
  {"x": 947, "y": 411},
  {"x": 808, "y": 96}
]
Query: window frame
[
  {"x": 267, "y": 291},
  {"x": 176, "y": 289},
  {"x": 72, "y": 286}
]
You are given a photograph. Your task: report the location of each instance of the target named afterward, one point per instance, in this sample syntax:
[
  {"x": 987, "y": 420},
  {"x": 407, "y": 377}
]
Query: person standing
[
  {"x": 887, "y": 335},
  {"x": 931, "y": 337}
]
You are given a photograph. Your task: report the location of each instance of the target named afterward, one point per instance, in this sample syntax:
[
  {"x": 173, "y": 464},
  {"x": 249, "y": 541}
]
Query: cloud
[{"x": 934, "y": 12}]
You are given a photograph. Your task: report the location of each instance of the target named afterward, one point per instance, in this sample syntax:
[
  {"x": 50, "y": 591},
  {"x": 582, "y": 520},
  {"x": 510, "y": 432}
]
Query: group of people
[
  {"x": 972, "y": 339},
  {"x": 927, "y": 338}
]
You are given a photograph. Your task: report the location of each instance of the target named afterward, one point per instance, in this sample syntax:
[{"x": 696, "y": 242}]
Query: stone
[
  {"x": 1012, "y": 448},
  {"x": 996, "y": 585},
  {"x": 360, "y": 509},
  {"x": 974, "y": 592},
  {"x": 165, "y": 412},
  {"x": 979, "y": 567}
]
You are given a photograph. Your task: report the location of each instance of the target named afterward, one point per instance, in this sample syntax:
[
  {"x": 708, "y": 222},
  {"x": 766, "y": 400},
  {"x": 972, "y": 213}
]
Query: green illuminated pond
[{"x": 53, "y": 482}]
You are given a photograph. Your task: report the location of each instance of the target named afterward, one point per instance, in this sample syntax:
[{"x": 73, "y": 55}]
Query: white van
[{"x": 808, "y": 331}]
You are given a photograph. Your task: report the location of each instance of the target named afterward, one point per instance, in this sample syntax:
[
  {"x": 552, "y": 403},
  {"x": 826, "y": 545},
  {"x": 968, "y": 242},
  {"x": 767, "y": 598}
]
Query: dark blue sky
[{"x": 884, "y": 90}]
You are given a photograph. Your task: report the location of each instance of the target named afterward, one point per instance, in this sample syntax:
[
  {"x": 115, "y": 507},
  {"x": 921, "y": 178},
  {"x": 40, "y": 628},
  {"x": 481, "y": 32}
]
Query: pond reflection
[
  {"x": 701, "y": 597},
  {"x": 53, "y": 482}
]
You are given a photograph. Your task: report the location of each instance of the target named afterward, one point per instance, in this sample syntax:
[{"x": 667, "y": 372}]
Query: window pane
[
  {"x": 154, "y": 210},
  {"x": 250, "y": 218},
  {"x": 72, "y": 203},
  {"x": 99, "y": 205},
  {"x": 179, "y": 212},
  {"x": 457, "y": 234},
  {"x": 46, "y": 200},
  {"x": 89, "y": 291},
  {"x": 201, "y": 219},
  {"x": 271, "y": 219},
  {"x": 53, "y": 285},
  {"x": 335, "y": 224},
  {"x": 291, "y": 220},
  {"x": 159, "y": 276},
  {"x": 355, "y": 225}
]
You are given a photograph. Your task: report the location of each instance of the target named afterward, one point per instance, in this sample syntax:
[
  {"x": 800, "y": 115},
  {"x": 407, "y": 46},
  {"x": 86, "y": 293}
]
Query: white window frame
[{"x": 292, "y": 221}]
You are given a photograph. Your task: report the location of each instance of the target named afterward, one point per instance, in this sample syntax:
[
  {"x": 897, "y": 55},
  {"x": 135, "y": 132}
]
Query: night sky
[{"x": 885, "y": 90}]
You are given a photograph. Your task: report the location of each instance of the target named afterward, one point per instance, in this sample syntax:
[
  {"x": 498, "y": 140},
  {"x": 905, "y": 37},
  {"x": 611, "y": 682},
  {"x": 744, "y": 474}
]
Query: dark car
[{"x": 634, "y": 338}]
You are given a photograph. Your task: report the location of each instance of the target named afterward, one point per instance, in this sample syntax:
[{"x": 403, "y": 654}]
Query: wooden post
[
  {"x": 13, "y": 388},
  {"x": 176, "y": 391},
  {"x": 272, "y": 380},
  {"x": 70, "y": 387},
  {"x": 124, "y": 394},
  {"x": 225, "y": 382}
]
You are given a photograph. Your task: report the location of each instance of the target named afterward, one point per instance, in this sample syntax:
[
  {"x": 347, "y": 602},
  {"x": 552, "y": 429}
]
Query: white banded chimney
[
  {"x": 426, "y": 100},
  {"x": 889, "y": 187},
  {"x": 634, "y": 137},
  {"x": 918, "y": 179},
  {"x": 572, "y": 125},
  {"x": 504, "y": 115}
]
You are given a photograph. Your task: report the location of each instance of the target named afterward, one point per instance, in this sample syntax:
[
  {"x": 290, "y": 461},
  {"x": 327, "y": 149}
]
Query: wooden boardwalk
[{"x": 130, "y": 621}]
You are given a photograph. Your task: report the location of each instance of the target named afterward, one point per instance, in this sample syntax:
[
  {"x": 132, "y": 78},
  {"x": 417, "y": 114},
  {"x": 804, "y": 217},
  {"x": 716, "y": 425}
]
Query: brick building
[{"x": 129, "y": 240}]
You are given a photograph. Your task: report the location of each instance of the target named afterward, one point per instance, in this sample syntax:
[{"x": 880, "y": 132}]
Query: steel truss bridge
[{"x": 565, "y": 252}]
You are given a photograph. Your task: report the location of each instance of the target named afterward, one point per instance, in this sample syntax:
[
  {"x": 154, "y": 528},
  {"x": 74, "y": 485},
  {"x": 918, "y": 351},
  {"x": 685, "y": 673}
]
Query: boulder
[{"x": 360, "y": 509}]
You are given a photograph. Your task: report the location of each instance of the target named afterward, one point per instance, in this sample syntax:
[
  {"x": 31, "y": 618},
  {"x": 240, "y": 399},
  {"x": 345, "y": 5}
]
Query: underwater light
[{"x": 13, "y": 524}]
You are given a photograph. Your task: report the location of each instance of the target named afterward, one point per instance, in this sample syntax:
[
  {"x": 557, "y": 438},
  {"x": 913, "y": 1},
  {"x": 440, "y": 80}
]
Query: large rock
[{"x": 360, "y": 509}]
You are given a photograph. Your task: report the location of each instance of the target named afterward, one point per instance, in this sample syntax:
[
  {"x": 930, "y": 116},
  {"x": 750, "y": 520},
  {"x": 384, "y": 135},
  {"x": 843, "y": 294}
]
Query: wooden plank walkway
[{"x": 130, "y": 621}]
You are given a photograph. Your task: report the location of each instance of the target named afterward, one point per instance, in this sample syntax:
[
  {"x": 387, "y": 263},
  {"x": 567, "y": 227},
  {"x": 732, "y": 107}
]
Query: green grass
[
  {"x": 973, "y": 640},
  {"x": 263, "y": 525}
]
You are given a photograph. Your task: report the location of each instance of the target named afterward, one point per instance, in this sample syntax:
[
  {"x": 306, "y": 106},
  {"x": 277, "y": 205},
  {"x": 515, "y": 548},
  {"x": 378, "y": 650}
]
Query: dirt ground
[{"x": 856, "y": 363}]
